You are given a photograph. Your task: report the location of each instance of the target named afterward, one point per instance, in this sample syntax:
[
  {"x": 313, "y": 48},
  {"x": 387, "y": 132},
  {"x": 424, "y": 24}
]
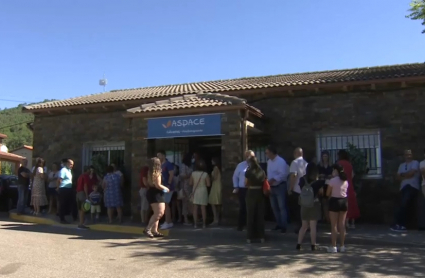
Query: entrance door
[{"x": 207, "y": 148}]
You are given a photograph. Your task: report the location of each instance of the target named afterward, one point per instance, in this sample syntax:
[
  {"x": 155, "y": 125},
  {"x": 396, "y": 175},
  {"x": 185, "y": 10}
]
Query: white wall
[{"x": 25, "y": 153}]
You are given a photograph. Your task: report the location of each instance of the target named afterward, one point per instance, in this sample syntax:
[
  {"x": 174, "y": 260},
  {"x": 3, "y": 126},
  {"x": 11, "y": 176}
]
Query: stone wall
[
  {"x": 231, "y": 156},
  {"x": 139, "y": 156},
  {"x": 63, "y": 136},
  {"x": 295, "y": 121}
]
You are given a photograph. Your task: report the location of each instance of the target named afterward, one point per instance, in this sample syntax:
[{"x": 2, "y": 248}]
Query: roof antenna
[{"x": 103, "y": 82}]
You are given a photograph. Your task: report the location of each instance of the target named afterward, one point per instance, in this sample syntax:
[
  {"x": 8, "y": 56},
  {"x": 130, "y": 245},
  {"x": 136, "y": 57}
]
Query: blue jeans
[
  {"x": 408, "y": 194},
  {"x": 22, "y": 198},
  {"x": 278, "y": 203}
]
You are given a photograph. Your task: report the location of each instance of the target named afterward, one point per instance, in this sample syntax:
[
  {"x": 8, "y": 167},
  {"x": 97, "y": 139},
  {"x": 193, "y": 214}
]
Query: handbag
[
  {"x": 191, "y": 197},
  {"x": 266, "y": 187}
]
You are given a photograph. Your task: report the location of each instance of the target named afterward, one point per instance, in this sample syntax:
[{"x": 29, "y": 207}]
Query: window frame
[
  {"x": 90, "y": 147},
  {"x": 354, "y": 133}
]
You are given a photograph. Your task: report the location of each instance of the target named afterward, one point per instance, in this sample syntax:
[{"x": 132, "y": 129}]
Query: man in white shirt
[
  {"x": 240, "y": 189},
  {"x": 277, "y": 173},
  {"x": 409, "y": 175},
  {"x": 297, "y": 170}
]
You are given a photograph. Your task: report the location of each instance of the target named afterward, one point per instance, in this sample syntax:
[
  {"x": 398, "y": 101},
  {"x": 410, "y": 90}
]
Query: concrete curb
[{"x": 95, "y": 227}]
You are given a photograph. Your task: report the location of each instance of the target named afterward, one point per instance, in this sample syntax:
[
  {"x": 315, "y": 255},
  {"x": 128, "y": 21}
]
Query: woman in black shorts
[
  {"x": 338, "y": 205},
  {"x": 155, "y": 197}
]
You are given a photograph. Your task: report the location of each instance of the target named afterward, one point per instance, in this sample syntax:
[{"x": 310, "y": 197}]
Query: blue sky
[{"x": 60, "y": 49}]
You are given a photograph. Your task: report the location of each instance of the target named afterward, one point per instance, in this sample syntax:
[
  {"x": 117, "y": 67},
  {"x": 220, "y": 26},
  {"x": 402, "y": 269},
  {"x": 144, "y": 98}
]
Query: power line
[
  {"x": 15, "y": 124},
  {"x": 12, "y": 100}
]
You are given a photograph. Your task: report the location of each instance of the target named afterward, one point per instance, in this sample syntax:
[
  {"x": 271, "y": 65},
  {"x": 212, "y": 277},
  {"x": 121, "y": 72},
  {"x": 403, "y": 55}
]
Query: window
[
  {"x": 367, "y": 141},
  {"x": 106, "y": 153},
  {"x": 260, "y": 153}
]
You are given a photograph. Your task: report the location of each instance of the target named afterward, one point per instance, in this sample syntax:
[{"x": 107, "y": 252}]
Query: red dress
[{"x": 353, "y": 209}]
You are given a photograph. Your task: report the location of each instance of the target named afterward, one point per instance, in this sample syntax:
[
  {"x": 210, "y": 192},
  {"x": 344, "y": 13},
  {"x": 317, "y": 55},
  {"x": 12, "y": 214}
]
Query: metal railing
[
  {"x": 110, "y": 153},
  {"x": 369, "y": 144}
]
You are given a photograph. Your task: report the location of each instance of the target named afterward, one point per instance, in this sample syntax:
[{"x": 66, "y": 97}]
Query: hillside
[{"x": 13, "y": 123}]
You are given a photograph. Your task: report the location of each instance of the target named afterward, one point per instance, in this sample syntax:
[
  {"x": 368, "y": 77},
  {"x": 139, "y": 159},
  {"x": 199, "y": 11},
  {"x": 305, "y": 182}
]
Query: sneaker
[
  {"x": 332, "y": 249},
  {"x": 64, "y": 222},
  {"x": 314, "y": 247},
  {"x": 298, "y": 247},
  {"x": 82, "y": 227},
  {"x": 342, "y": 249},
  {"x": 397, "y": 228},
  {"x": 166, "y": 226}
]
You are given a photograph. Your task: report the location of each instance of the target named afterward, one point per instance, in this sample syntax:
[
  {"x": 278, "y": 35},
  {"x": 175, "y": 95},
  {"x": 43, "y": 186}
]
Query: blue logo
[{"x": 185, "y": 126}]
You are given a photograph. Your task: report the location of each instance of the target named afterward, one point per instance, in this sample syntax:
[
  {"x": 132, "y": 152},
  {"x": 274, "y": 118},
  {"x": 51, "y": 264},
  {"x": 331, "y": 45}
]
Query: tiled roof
[
  {"x": 10, "y": 157},
  {"x": 189, "y": 101},
  {"x": 23, "y": 147},
  {"x": 296, "y": 79}
]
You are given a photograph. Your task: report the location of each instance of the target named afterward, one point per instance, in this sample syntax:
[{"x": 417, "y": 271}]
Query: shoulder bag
[{"x": 191, "y": 197}]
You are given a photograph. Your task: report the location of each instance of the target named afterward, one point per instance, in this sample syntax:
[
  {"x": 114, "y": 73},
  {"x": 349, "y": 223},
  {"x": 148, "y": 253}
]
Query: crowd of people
[
  {"x": 178, "y": 192},
  {"x": 305, "y": 192},
  {"x": 54, "y": 188},
  {"x": 308, "y": 192},
  {"x": 301, "y": 193}
]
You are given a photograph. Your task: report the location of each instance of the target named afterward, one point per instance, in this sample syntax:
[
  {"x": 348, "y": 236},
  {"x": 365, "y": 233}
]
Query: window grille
[
  {"x": 110, "y": 152},
  {"x": 368, "y": 142}
]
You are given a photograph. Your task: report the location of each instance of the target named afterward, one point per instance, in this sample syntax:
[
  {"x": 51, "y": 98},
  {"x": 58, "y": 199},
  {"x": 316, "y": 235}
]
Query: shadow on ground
[
  {"x": 223, "y": 251},
  {"x": 74, "y": 233},
  {"x": 232, "y": 252}
]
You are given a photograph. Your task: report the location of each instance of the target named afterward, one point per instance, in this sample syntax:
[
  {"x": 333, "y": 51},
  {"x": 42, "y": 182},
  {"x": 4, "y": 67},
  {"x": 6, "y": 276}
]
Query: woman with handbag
[
  {"x": 255, "y": 203},
  {"x": 199, "y": 197}
]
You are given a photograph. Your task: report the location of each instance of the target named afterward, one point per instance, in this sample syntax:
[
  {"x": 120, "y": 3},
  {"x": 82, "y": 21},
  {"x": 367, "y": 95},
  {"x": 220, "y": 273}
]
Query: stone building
[
  {"x": 377, "y": 109},
  {"x": 25, "y": 151}
]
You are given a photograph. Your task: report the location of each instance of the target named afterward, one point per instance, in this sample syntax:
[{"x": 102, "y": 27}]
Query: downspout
[{"x": 244, "y": 133}]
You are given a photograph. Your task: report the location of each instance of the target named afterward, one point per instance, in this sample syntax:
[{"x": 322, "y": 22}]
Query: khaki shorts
[{"x": 96, "y": 209}]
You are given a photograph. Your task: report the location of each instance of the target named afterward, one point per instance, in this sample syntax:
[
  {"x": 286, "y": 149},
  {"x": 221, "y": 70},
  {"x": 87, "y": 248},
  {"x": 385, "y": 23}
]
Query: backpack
[{"x": 307, "y": 196}]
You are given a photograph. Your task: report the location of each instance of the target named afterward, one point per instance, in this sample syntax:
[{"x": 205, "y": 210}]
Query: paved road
[{"x": 29, "y": 250}]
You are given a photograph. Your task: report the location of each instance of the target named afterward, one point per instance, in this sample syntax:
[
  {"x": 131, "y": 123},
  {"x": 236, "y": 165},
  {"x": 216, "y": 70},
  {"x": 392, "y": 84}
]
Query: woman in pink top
[{"x": 338, "y": 205}]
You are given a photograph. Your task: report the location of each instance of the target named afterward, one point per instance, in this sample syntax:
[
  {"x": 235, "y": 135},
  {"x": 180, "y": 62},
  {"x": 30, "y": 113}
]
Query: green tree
[
  {"x": 13, "y": 123},
  {"x": 417, "y": 11},
  {"x": 359, "y": 163}
]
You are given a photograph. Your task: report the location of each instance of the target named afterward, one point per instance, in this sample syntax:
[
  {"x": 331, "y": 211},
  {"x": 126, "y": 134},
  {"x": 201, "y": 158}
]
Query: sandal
[
  {"x": 158, "y": 234},
  {"x": 148, "y": 234}
]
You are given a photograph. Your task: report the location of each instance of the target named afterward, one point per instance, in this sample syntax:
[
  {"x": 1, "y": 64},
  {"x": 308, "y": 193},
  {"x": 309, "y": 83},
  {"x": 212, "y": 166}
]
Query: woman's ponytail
[{"x": 342, "y": 175}]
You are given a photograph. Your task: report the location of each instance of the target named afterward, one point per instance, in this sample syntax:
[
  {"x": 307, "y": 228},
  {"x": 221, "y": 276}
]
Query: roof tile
[
  {"x": 296, "y": 79},
  {"x": 189, "y": 101}
]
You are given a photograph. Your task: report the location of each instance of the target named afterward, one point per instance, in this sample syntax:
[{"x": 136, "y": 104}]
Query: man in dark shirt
[{"x": 24, "y": 176}]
